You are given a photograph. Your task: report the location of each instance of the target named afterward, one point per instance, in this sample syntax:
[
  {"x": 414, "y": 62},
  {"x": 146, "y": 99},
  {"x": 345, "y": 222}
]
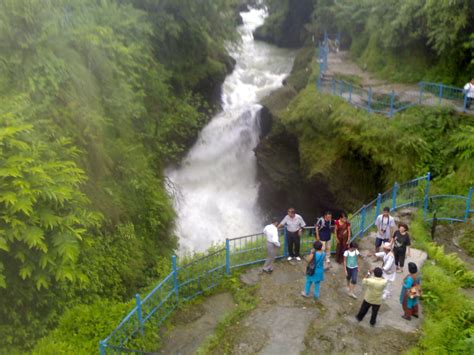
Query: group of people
[{"x": 395, "y": 242}]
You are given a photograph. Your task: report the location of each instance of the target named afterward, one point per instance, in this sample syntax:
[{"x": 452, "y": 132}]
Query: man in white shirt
[
  {"x": 388, "y": 268},
  {"x": 469, "y": 92},
  {"x": 294, "y": 224},
  {"x": 273, "y": 243},
  {"x": 385, "y": 228}
]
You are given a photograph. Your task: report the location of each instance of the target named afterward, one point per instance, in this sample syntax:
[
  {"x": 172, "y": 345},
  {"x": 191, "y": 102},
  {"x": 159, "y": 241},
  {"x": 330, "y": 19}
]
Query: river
[{"x": 215, "y": 187}]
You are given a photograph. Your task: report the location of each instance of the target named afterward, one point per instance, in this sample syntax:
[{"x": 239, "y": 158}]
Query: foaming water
[{"x": 216, "y": 183}]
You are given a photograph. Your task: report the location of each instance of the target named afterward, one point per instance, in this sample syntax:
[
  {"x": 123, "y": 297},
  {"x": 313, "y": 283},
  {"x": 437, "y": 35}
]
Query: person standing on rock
[
  {"x": 401, "y": 246},
  {"x": 324, "y": 228},
  {"x": 388, "y": 268},
  {"x": 410, "y": 293},
  {"x": 469, "y": 92},
  {"x": 351, "y": 267},
  {"x": 294, "y": 225},
  {"x": 316, "y": 257},
  {"x": 373, "y": 295},
  {"x": 343, "y": 236},
  {"x": 273, "y": 244},
  {"x": 385, "y": 228}
]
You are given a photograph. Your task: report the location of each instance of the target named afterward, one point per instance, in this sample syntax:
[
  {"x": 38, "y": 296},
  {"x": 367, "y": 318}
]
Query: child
[
  {"x": 351, "y": 267},
  {"x": 317, "y": 256}
]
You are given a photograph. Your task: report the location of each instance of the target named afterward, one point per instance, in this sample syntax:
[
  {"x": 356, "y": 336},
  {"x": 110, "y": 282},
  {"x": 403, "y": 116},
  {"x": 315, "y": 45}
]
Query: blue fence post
[
  {"x": 465, "y": 103},
  {"x": 139, "y": 313},
  {"x": 285, "y": 243},
  {"x": 427, "y": 195},
  {"x": 392, "y": 99},
  {"x": 378, "y": 205},
  {"x": 334, "y": 86},
  {"x": 394, "y": 196},
  {"x": 227, "y": 256},
  {"x": 440, "y": 92},
  {"x": 350, "y": 93},
  {"x": 175, "y": 277},
  {"x": 468, "y": 203},
  {"x": 422, "y": 89},
  {"x": 369, "y": 98},
  {"x": 362, "y": 221},
  {"x": 341, "y": 88},
  {"x": 102, "y": 346}
]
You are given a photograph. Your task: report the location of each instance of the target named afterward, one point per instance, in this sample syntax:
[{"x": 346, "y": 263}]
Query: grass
[{"x": 449, "y": 313}]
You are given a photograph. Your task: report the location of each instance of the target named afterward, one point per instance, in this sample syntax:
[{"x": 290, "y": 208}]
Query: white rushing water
[{"x": 216, "y": 187}]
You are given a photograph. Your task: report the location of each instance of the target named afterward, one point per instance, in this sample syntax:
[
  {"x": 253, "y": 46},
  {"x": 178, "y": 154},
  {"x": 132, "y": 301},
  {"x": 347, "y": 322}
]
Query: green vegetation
[
  {"x": 406, "y": 40},
  {"x": 96, "y": 98},
  {"x": 449, "y": 314},
  {"x": 467, "y": 240},
  {"x": 400, "y": 40},
  {"x": 285, "y": 24},
  {"x": 353, "y": 144},
  {"x": 226, "y": 331}
]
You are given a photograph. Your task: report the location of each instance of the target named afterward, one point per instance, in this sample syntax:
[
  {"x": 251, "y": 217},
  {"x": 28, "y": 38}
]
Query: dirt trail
[
  {"x": 340, "y": 63},
  {"x": 193, "y": 325}
]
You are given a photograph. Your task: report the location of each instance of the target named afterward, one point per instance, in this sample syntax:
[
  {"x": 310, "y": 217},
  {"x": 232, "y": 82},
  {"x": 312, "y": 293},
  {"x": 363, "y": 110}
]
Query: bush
[{"x": 449, "y": 313}]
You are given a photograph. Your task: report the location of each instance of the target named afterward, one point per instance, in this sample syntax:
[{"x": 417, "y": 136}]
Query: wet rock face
[
  {"x": 286, "y": 29},
  {"x": 282, "y": 184}
]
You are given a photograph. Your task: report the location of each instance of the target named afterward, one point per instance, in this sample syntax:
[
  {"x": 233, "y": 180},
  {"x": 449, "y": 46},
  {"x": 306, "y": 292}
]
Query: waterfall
[{"x": 216, "y": 182}]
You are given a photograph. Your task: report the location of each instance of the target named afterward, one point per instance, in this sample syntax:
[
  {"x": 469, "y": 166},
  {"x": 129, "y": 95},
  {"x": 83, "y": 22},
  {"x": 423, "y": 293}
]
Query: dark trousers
[
  {"x": 293, "y": 244},
  {"x": 470, "y": 100},
  {"x": 364, "y": 308},
  {"x": 399, "y": 254}
]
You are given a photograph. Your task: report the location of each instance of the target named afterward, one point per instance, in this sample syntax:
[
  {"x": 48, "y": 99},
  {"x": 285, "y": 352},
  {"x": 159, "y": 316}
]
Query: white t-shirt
[
  {"x": 469, "y": 90},
  {"x": 271, "y": 232},
  {"x": 384, "y": 224},
  {"x": 351, "y": 261}
]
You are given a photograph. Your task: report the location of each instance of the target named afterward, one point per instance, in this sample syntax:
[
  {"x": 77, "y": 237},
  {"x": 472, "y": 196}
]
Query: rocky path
[
  {"x": 194, "y": 324},
  {"x": 284, "y": 322},
  {"x": 340, "y": 64}
]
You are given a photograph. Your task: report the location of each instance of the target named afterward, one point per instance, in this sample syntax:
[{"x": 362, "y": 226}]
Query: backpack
[
  {"x": 311, "y": 268},
  {"x": 320, "y": 223}
]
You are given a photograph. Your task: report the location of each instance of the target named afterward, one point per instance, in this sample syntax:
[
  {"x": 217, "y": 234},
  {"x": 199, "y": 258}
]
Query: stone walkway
[{"x": 340, "y": 63}]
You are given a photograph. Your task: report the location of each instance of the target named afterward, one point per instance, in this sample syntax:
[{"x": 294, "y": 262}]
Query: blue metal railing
[
  {"x": 193, "y": 278},
  {"x": 387, "y": 103}
]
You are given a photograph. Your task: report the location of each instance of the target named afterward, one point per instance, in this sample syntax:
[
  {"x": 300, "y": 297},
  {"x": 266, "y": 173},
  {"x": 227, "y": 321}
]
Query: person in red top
[{"x": 343, "y": 237}]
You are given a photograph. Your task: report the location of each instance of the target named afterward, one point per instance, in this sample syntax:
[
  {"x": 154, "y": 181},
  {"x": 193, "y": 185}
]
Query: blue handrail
[
  {"x": 388, "y": 103},
  {"x": 192, "y": 279}
]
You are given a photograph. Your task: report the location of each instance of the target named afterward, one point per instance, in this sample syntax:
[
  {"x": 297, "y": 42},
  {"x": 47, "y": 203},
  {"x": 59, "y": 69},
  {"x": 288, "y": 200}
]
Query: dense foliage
[
  {"x": 408, "y": 40},
  {"x": 353, "y": 144},
  {"x": 404, "y": 40},
  {"x": 449, "y": 313},
  {"x": 96, "y": 98}
]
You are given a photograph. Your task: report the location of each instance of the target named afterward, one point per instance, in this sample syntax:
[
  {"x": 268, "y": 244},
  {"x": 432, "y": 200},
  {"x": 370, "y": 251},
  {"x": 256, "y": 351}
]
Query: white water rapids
[{"x": 216, "y": 186}]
